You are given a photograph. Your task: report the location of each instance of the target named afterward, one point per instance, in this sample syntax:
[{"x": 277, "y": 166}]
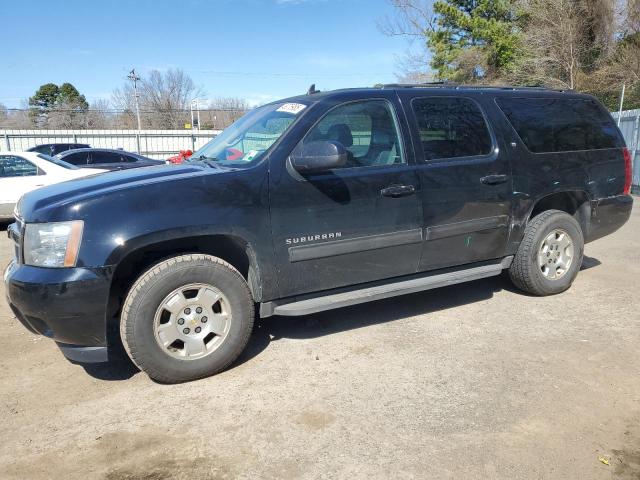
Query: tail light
[{"x": 627, "y": 171}]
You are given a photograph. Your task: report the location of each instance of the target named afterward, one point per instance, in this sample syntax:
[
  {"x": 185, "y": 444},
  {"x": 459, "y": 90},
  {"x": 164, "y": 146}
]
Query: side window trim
[
  {"x": 421, "y": 159},
  {"x": 396, "y": 123}
]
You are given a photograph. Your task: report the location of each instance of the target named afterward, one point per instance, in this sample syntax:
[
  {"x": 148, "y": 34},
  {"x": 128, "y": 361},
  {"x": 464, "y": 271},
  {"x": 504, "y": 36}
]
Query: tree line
[
  {"x": 591, "y": 46},
  {"x": 164, "y": 101}
]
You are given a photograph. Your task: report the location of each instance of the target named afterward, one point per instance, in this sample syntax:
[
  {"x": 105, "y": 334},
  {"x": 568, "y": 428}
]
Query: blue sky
[{"x": 260, "y": 50}]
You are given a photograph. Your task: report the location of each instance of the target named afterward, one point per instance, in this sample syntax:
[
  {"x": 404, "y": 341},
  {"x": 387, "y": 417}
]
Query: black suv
[{"x": 313, "y": 203}]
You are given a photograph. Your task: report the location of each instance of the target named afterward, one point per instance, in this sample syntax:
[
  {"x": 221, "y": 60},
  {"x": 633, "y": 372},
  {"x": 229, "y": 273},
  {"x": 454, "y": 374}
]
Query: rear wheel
[
  {"x": 550, "y": 254},
  {"x": 187, "y": 317}
]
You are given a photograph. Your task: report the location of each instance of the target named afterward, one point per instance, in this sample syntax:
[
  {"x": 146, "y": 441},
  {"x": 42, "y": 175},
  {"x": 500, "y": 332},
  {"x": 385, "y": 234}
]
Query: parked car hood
[{"x": 81, "y": 189}]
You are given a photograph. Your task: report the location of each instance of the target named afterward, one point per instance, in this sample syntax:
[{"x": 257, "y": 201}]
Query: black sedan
[{"x": 107, "y": 159}]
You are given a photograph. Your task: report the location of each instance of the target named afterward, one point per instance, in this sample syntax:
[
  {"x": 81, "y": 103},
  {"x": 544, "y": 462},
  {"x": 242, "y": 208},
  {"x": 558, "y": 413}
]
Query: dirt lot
[{"x": 472, "y": 381}]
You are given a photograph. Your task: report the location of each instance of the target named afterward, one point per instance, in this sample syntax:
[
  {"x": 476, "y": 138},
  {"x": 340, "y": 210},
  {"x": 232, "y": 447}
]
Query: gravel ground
[{"x": 470, "y": 381}]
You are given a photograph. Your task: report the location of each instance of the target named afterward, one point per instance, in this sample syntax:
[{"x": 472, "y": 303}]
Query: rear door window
[
  {"x": 548, "y": 125},
  {"x": 105, "y": 157},
  {"x": 451, "y": 127},
  {"x": 78, "y": 158},
  {"x": 14, "y": 166}
]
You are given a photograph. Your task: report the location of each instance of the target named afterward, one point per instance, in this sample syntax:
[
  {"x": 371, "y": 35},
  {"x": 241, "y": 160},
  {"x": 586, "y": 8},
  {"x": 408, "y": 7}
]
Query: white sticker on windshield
[{"x": 294, "y": 108}]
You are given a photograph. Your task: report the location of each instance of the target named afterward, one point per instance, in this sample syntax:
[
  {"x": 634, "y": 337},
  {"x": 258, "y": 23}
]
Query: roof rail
[
  {"x": 444, "y": 83},
  {"x": 459, "y": 86}
]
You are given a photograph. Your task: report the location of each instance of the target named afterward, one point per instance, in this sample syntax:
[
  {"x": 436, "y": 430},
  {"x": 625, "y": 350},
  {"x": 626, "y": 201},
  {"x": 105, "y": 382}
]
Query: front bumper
[
  {"x": 66, "y": 304},
  {"x": 608, "y": 215}
]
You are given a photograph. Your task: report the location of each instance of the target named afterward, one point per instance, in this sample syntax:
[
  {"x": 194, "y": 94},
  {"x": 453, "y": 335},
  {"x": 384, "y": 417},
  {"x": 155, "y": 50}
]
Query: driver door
[{"x": 353, "y": 224}]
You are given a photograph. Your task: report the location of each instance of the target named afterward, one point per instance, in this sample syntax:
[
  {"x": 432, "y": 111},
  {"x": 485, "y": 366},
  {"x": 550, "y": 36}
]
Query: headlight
[{"x": 52, "y": 244}]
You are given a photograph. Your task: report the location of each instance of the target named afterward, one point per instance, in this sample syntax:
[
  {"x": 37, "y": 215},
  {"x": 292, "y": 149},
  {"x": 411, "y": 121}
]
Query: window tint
[
  {"x": 79, "y": 158},
  {"x": 451, "y": 127},
  {"x": 105, "y": 157},
  {"x": 560, "y": 124},
  {"x": 13, "y": 166},
  {"x": 129, "y": 159},
  {"x": 366, "y": 129},
  {"x": 46, "y": 149}
]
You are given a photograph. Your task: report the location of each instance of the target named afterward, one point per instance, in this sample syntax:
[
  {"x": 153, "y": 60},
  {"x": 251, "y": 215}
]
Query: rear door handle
[
  {"x": 395, "y": 191},
  {"x": 494, "y": 179}
]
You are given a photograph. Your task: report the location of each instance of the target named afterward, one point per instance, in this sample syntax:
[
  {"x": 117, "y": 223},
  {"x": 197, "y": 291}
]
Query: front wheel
[
  {"x": 550, "y": 254},
  {"x": 186, "y": 318}
]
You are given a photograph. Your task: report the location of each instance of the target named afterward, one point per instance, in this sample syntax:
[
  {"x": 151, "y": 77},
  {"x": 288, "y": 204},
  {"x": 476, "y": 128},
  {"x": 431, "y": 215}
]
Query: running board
[{"x": 343, "y": 298}]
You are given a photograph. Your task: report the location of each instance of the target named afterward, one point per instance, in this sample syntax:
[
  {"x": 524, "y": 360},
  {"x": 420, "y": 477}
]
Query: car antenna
[{"x": 312, "y": 89}]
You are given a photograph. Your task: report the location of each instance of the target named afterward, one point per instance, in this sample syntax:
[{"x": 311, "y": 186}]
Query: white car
[{"x": 21, "y": 172}]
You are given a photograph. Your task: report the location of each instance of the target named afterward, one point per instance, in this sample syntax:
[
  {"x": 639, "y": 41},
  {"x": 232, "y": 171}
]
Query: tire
[
  {"x": 155, "y": 311},
  {"x": 534, "y": 268}
]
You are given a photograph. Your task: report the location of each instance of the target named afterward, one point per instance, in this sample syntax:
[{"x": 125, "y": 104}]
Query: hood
[{"x": 91, "y": 186}]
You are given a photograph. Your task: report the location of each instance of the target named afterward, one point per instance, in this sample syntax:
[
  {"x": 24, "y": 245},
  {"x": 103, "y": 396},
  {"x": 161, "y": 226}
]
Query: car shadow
[
  {"x": 4, "y": 224},
  {"x": 275, "y": 328},
  {"x": 589, "y": 262},
  {"x": 119, "y": 367},
  {"x": 365, "y": 315}
]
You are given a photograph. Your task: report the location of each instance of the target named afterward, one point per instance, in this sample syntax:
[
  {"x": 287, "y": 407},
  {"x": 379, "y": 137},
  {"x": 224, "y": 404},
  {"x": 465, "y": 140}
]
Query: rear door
[
  {"x": 466, "y": 180},
  {"x": 354, "y": 224}
]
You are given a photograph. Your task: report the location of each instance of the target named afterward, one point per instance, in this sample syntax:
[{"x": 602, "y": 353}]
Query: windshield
[
  {"x": 57, "y": 161},
  {"x": 245, "y": 142}
]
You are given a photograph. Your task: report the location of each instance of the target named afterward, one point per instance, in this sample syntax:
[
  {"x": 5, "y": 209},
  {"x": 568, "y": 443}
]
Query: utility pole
[
  {"x": 135, "y": 78},
  {"x": 624, "y": 85},
  {"x": 195, "y": 103}
]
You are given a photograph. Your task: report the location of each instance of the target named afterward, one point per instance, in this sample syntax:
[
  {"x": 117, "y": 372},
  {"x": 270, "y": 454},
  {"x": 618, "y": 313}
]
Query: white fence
[
  {"x": 152, "y": 143},
  {"x": 630, "y": 128}
]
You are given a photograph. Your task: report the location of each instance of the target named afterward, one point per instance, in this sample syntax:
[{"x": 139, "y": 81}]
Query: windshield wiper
[{"x": 210, "y": 161}]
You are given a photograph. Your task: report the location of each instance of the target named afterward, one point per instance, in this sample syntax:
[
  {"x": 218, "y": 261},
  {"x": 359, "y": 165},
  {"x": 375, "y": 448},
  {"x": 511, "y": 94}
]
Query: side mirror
[{"x": 319, "y": 156}]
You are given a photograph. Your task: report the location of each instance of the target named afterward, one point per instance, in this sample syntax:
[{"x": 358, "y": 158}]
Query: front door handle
[
  {"x": 494, "y": 179},
  {"x": 395, "y": 191}
]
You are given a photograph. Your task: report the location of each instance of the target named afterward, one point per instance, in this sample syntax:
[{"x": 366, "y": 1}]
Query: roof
[{"x": 445, "y": 87}]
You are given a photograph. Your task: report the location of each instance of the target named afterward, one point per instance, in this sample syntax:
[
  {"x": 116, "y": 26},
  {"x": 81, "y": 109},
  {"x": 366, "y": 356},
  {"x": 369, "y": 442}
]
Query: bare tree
[
  {"x": 413, "y": 20},
  {"x": 164, "y": 98},
  {"x": 98, "y": 116},
  {"x": 564, "y": 40},
  {"x": 222, "y": 112}
]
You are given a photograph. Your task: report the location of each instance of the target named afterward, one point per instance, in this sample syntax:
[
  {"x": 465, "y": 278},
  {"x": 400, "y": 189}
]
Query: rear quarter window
[{"x": 548, "y": 125}]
